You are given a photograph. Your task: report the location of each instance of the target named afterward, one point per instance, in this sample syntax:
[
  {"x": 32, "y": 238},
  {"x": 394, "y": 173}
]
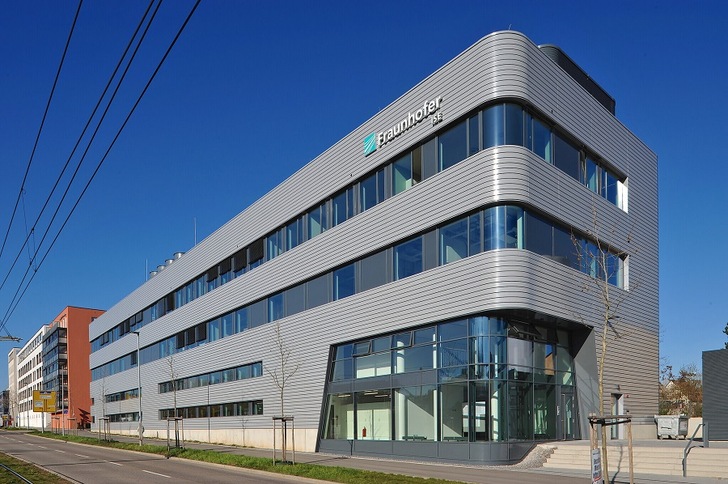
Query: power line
[
  {"x": 40, "y": 129},
  {"x": 14, "y": 305},
  {"x": 80, "y": 138}
]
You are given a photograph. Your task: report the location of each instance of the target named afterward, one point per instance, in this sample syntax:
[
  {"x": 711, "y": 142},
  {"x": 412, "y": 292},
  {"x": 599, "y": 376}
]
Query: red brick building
[{"x": 66, "y": 370}]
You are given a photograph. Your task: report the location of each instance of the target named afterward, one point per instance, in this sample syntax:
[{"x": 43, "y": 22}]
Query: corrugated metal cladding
[
  {"x": 715, "y": 393},
  {"x": 503, "y": 65}
]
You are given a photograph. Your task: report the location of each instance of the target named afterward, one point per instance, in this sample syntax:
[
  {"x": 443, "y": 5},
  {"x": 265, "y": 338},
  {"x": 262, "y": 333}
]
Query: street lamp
[
  {"x": 63, "y": 407},
  {"x": 139, "y": 390}
]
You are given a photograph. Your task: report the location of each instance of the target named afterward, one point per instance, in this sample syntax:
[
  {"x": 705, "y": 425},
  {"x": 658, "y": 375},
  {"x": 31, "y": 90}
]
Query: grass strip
[
  {"x": 27, "y": 470},
  {"x": 344, "y": 475}
]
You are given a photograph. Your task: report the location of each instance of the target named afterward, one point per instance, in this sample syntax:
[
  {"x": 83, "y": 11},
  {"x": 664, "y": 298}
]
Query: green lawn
[
  {"x": 29, "y": 471},
  {"x": 313, "y": 471}
]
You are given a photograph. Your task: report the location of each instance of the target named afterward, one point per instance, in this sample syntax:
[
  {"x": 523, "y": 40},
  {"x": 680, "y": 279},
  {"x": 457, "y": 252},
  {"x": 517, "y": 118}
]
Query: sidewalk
[{"x": 528, "y": 471}]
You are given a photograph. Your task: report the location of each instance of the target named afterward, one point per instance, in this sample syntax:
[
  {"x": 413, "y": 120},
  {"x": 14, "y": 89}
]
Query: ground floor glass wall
[{"x": 481, "y": 379}]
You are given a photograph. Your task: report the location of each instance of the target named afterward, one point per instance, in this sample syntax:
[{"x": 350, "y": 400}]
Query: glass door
[{"x": 567, "y": 414}]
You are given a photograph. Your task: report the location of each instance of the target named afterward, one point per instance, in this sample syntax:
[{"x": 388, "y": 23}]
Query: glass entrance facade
[{"x": 486, "y": 378}]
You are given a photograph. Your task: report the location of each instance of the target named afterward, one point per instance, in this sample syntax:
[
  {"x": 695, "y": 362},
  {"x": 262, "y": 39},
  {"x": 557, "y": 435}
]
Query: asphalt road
[{"x": 90, "y": 464}]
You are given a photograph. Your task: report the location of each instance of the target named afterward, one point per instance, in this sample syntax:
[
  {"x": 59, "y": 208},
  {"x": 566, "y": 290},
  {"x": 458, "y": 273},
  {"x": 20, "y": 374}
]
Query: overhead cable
[
  {"x": 17, "y": 298},
  {"x": 40, "y": 129},
  {"x": 78, "y": 142}
]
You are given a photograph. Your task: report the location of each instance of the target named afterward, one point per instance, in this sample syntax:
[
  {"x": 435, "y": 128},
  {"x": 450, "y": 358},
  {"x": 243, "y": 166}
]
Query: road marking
[
  {"x": 60, "y": 451},
  {"x": 46, "y": 448},
  {"x": 115, "y": 463},
  {"x": 157, "y": 474},
  {"x": 81, "y": 455}
]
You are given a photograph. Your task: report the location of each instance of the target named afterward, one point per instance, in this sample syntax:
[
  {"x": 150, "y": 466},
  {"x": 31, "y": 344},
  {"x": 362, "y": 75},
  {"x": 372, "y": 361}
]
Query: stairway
[{"x": 649, "y": 458}]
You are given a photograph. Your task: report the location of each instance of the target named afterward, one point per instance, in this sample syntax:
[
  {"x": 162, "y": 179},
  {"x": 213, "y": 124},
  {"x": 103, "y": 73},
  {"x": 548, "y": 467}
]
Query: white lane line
[
  {"x": 45, "y": 448},
  {"x": 81, "y": 455},
  {"x": 60, "y": 451},
  {"x": 157, "y": 474},
  {"x": 115, "y": 463}
]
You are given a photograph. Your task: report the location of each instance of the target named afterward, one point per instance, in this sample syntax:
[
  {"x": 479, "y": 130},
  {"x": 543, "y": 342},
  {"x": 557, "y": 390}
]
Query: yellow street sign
[{"x": 44, "y": 401}]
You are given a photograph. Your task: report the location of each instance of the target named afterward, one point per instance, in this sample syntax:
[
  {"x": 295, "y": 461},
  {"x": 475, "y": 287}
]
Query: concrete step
[{"x": 711, "y": 462}]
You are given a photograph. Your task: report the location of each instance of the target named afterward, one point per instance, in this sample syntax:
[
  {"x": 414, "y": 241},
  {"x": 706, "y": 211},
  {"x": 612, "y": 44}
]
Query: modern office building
[
  {"x": 434, "y": 284},
  {"x": 30, "y": 378},
  {"x": 66, "y": 371}
]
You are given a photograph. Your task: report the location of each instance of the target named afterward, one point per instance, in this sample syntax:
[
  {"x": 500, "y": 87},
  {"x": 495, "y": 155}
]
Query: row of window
[
  {"x": 477, "y": 411},
  {"x": 496, "y": 125},
  {"x": 30, "y": 347},
  {"x": 213, "y": 378},
  {"x": 121, "y": 396},
  {"x": 123, "y": 417},
  {"x": 498, "y": 227},
  {"x": 475, "y": 348},
  {"x": 235, "y": 409}
]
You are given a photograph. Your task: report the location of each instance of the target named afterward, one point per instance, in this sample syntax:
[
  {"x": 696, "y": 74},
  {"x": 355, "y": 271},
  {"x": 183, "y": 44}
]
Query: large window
[
  {"x": 566, "y": 156},
  {"x": 275, "y": 307},
  {"x": 475, "y": 398},
  {"x": 406, "y": 172},
  {"x": 408, "y": 258},
  {"x": 342, "y": 207},
  {"x": 371, "y": 190},
  {"x": 454, "y": 241},
  {"x": 344, "y": 279},
  {"x": 316, "y": 221},
  {"x": 339, "y": 417},
  {"x": 493, "y": 126},
  {"x": 453, "y": 145},
  {"x": 414, "y": 413},
  {"x": 503, "y": 228},
  {"x": 294, "y": 233},
  {"x": 374, "y": 417},
  {"x": 514, "y": 125},
  {"x": 541, "y": 139}
]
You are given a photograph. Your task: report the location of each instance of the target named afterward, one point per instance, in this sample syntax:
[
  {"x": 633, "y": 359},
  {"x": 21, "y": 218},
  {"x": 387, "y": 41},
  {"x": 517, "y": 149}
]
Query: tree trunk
[{"x": 605, "y": 467}]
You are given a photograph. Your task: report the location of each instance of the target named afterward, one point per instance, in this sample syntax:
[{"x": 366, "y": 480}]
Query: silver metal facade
[
  {"x": 503, "y": 65},
  {"x": 715, "y": 408}
]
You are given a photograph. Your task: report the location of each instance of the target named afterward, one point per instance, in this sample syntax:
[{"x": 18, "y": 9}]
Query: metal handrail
[{"x": 690, "y": 446}]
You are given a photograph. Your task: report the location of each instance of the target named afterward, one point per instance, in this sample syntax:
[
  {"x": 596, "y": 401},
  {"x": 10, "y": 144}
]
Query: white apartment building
[
  {"x": 29, "y": 377},
  {"x": 13, "y": 384}
]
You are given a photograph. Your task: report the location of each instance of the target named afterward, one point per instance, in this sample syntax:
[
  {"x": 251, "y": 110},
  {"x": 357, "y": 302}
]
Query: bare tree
[
  {"x": 603, "y": 262},
  {"x": 173, "y": 382},
  {"x": 102, "y": 421},
  {"x": 281, "y": 373},
  {"x": 103, "y": 395}
]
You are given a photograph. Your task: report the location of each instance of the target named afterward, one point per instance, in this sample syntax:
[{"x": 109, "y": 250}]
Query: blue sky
[{"x": 254, "y": 90}]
